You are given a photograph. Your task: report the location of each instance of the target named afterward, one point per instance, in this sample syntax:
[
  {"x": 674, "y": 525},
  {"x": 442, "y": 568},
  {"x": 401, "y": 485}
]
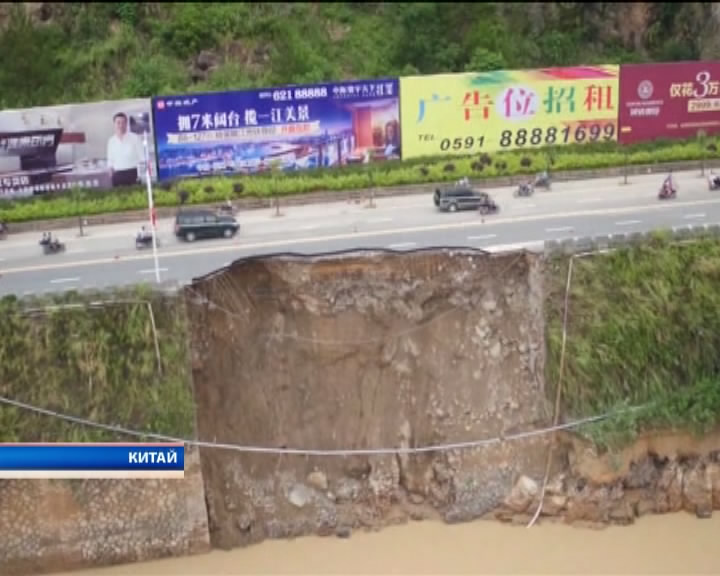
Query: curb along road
[{"x": 357, "y": 195}]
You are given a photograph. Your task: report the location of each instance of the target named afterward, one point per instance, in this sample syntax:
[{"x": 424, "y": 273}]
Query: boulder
[
  {"x": 698, "y": 490},
  {"x": 522, "y": 494},
  {"x": 318, "y": 480}
]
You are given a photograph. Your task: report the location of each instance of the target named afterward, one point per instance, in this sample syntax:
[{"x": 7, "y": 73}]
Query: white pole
[{"x": 148, "y": 180}]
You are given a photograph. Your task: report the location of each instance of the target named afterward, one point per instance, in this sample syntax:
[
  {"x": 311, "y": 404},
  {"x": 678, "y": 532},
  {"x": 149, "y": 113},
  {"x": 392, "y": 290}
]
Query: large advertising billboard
[
  {"x": 506, "y": 110},
  {"x": 287, "y": 129},
  {"x": 674, "y": 100},
  {"x": 57, "y": 148}
]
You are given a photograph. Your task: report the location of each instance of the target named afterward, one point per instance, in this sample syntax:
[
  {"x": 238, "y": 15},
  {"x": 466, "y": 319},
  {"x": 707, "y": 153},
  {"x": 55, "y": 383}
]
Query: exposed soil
[
  {"x": 657, "y": 474},
  {"x": 366, "y": 351}
]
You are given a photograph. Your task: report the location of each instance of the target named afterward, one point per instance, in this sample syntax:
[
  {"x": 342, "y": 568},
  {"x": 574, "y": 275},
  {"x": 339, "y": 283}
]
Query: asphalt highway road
[{"x": 106, "y": 255}]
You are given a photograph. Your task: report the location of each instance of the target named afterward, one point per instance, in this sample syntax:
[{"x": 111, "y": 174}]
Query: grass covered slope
[
  {"x": 98, "y": 363},
  {"x": 56, "y": 53},
  {"x": 209, "y": 190},
  {"x": 643, "y": 330}
]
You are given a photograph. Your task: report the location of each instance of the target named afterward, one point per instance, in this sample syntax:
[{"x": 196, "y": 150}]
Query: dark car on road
[
  {"x": 464, "y": 197},
  {"x": 194, "y": 224}
]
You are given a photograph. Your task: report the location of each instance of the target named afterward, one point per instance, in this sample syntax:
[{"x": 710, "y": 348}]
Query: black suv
[
  {"x": 463, "y": 197},
  {"x": 193, "y": 224}
]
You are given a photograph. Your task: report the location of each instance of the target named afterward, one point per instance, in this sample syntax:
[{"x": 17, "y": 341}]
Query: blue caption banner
[
  {"x": 91, "y": 457},
  {"x": 286, "y": 129}
]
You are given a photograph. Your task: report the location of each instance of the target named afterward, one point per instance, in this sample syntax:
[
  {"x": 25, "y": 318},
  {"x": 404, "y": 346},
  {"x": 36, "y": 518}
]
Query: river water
[{"x": 668, "y": 544}]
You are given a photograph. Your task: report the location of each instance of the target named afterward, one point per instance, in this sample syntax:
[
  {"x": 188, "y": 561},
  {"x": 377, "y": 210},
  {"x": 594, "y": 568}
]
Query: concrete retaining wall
[
  {"x": 69, "y": 524},
  {"x": 611, "y": 241}
]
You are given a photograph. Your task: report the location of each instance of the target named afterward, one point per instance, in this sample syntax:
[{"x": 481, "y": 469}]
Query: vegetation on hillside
[
  {"x": 73, "y": 52},
  {"x": 95, "y": 362},
  {"x": 643, "y": 331}
]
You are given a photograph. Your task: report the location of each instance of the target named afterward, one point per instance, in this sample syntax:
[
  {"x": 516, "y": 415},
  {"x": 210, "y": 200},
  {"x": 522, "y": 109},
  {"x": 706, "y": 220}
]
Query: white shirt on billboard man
[{"x": 124, "y": 153}]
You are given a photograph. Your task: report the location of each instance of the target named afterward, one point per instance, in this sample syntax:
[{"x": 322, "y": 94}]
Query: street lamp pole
[{"x": 151, "y": 208}]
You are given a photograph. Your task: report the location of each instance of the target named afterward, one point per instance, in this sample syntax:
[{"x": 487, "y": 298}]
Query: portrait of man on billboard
[{"x": 124, "y": 153}]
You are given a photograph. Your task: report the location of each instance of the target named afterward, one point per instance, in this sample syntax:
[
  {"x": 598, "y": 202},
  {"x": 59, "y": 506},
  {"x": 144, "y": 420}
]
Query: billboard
[
  {"x": 57, "y": 148},
  {"x": 289, "y": 128},
  {"x": 673, "y": 100},
  {"x": 506, "y": 110}
]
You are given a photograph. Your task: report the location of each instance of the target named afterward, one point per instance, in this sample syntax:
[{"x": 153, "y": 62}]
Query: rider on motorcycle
[
  {"x": 526, "y": 187},
  {"x": 668, "y": 184},
  {"x": 49, "y": 242},
  {"x": 143, "y": 233}
]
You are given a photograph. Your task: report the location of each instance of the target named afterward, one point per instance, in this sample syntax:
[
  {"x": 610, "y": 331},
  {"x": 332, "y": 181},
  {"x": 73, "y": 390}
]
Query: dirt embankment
[
  {"x": 366, "y": 351},
  {"x": 657, "y": 474}
]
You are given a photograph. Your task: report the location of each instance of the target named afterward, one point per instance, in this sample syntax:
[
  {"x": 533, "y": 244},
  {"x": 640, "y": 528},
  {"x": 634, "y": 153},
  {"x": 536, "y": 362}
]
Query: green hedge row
[
  {"x": 208, "y": 190},
  {"x": 96, "y": 363},
  {"x": 643, "y": 329}
]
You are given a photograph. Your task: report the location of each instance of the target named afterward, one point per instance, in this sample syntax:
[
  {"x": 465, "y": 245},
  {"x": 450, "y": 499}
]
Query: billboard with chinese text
[
  {"x": 287, "y": 129},
  {"x": 57, "y": 148},
  {"x": 674, "y": 100},
  {"x": 505, "y": 110}
]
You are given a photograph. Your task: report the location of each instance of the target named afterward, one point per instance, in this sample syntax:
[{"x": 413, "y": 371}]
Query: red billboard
[{"x": 674, "y": 100}]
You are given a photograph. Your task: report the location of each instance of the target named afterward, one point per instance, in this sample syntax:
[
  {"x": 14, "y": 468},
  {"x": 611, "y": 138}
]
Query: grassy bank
[
  {"x": 643, "y": 329},
  {"x": 200, "y": 191},
  {"x": 95, "y": 363}
]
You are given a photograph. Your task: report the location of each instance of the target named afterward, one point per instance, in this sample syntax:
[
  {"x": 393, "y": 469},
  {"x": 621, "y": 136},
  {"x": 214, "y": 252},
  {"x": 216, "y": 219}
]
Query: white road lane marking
[
  {"x": 561, "y": 229},
  {"x": 401, "y": 245},
  {"x": 151, "y": 271},
  {"x": 482, "y": 237},
  {"x": 628, "y": 222},
  {"x": 64, "y": 280},
  {"x": 694, "y": 216}
]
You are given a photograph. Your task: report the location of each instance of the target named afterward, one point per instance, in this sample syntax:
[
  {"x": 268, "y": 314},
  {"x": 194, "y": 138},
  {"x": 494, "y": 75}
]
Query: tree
[
  {"x": 484, "y": 60},
  {"x": 30, "y": 74}
]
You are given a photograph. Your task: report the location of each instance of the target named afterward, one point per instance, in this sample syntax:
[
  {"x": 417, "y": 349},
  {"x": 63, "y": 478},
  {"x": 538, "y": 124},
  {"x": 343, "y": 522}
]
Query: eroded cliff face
[
  {"x": 656, "y": 474},
  {"x": 369, "y": 350}
]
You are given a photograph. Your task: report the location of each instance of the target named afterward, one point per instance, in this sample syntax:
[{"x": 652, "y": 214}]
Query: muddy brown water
[{"x": 667, "y": 544}]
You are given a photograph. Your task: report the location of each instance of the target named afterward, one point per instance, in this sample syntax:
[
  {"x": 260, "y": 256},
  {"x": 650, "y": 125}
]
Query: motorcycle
[
  {"x": 52, "y": 246},
  {"x": 226, "y": 210},
  {"x": 524, "y": 190},
  {"x": 146, "y": 241},
  {"x": 667, "y": 192},
  {"x": 487, "y": 205},
  {"x": 542, "y": 180},
  {"x": 713, "y": 182}
]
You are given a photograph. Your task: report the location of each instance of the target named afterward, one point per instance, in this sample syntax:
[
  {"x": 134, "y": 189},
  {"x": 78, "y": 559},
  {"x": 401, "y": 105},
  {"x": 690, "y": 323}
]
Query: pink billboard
[{"x": 673, "y": 100}]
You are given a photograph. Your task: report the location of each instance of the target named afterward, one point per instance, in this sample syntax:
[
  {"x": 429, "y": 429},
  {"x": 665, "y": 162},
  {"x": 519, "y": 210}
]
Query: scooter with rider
[
  {"x": 668, "y": 190},
  {"x": 144, "y": 238},
  {"x": 50, "y": 244}
]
